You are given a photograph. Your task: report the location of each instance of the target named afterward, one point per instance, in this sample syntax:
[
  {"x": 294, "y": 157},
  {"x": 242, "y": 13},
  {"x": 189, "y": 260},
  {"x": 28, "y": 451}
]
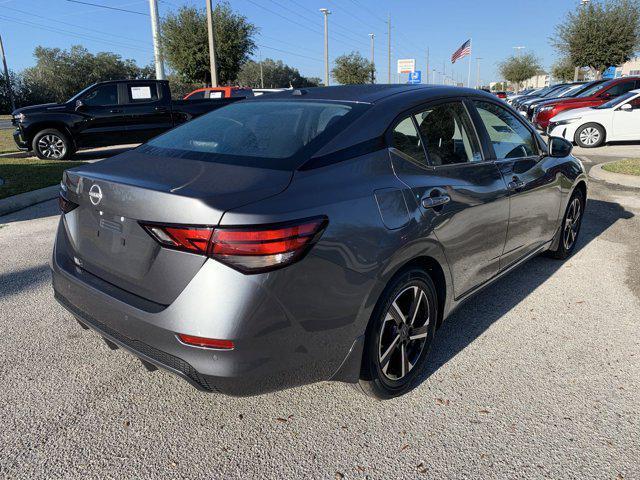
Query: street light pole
[
  {"x": 427, "y": 69},
  {"x": 155, "y": 32},
  {"x": 261, "y": 72},
  {"x": 478, "y": 73},
  {"x": 389, "y": 47},
  {"x": 326, "y": 13},
  {"x": 373, "y": 68},
  {"x": 212, "y": 46}
]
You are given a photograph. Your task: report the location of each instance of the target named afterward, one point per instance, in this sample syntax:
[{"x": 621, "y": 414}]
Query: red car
[
  {"x": 219, "y": 92},
  {"x": 501, "y": 95},
  {"x": 594, "y": 96}
]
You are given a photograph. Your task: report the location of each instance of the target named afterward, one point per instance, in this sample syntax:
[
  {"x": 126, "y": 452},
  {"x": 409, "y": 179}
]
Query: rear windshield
[{"x": 271, "y": 134}]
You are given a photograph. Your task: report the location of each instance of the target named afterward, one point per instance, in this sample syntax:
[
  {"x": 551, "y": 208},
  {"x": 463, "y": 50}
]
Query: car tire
[
  {"x": 590, "y": 135},
  {"x": 52, "y": 144},
  {"x": 570, "y": 227},
  {"x": 397, "y": 341}
]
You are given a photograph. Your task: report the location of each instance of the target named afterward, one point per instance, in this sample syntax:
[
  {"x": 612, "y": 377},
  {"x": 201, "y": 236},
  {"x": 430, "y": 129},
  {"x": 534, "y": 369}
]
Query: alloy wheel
[
  {"x": 590, "y": 136},
  {"x": 572, "y": 223},
  {"x": 404, "y": 333},
  {"x": 51, "y": 146}
]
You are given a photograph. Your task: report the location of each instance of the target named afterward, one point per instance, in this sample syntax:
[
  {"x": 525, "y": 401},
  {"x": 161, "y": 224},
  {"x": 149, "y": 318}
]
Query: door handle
[
  {"x": 515, "y": 184},
  {"x": 437, "y": 201},
  {"x": 161, "y": 109},
  {"x": 115, "y": 110}
]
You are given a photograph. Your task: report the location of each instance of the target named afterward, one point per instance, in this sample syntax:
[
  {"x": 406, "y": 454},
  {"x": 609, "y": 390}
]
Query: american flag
[{"x": 463, "y": 51}]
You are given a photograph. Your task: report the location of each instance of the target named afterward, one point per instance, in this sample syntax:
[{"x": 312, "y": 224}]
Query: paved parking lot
[{"x": 538, "y": 377}]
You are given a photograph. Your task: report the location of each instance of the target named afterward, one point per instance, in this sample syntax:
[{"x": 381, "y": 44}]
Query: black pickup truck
[{"x": 106, "y": 113}]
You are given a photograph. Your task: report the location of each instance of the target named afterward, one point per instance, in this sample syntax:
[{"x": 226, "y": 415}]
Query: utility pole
[
  {"x": 478, "y": 73},
  {"x": 212, "y": 45},
  {"x": 373, "y": 67},
  {"x": 155, "y": 32},
  {"x": 389, "y": 47},
  {"x": 261, "y": 72},
  {"x": 326, "y": 13},
  {"x": 427, "y": 69},
  {"x": 6, "y": 76}
]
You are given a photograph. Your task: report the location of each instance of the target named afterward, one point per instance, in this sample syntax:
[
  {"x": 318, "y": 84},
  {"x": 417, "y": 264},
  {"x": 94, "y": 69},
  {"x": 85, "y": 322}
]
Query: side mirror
[
  {"x": 559, "y": 147},
  {"x": 626, "y": 107},
  {"x": 79, "y": 104}
]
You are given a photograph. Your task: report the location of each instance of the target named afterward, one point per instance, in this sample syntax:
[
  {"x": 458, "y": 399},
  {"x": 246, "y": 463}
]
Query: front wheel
[
  {"x": 51, "y": 144},
  {"x": 399, "y": 336},
  {"x": 590, "y": 135}
]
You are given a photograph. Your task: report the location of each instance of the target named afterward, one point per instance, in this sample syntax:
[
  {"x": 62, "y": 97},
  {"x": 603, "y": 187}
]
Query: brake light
[
  {"x": 251, "y": 249},
  {"x": 206, "y": 342},
  {"x": 66, "y": 205}
]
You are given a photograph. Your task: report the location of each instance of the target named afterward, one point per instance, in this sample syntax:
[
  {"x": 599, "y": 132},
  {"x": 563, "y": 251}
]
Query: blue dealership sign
[
  {"x": 415, "y": 77},
  {"x": 609, "y": 73}
]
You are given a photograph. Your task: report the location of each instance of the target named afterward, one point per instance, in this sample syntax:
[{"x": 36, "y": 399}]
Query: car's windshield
[
  {"x": 554, "y": 91},
  {"x": 259, "y": 133},
  {"x": 617, "y": 101},
  {"x": 593, "y": 90},
  {"x": 571, "y": 90},
  {"x": 80, "y": 94}
]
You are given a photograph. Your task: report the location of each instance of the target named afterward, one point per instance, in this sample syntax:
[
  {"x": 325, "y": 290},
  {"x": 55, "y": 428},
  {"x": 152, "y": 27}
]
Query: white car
[{"x": 616, "y": 120}]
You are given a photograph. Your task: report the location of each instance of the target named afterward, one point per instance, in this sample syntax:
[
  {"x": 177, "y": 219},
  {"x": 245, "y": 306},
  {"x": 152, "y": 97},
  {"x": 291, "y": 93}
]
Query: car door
[
  {"x": 531, "y": 177},
  {"x": 462, "y": 197},
  {"x": 103, "y": 122},
  {"x": 626, "y": 123},
  {"x": 148, "y": 114}
]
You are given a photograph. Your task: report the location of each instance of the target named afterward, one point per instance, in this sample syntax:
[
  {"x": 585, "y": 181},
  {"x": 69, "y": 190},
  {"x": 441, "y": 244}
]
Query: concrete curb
[
  {"x": 598, "y": 173},
  {"x": 27, "y": 199},
  {"x": 16, "y": 154}
]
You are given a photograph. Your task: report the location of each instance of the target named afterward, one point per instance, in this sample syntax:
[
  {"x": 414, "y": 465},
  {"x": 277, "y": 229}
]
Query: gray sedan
[{"x": 310, "y": 235}]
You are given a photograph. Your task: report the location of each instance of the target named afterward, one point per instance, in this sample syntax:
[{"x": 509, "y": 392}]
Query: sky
[{"x": 292, "y": 30}]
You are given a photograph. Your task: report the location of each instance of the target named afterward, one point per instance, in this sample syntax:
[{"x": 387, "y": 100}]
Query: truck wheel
[
  {"x": 590, "y": 135},
  {"x": 51, "y": 144}
]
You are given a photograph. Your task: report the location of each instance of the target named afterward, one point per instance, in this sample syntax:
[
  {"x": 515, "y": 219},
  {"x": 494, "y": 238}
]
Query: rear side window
[
  {"x": 142, "y": 92},
  {"x": 407, "y": 140},
  {"x": 509, "y": 137},
  {"x": 262, "y": 131},
  {"x": 242, "y": 92},
  {"x": 448, "y": 134},
  {"x": 102, "y": 95},
  {"x": 196, "y": 96}
]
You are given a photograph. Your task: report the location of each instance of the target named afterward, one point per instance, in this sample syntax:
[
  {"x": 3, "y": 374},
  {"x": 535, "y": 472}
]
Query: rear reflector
[
  {"x": 65, "y": 205},
  {"x": 251, "y": 249},
  {"x": 205, "y": 342}
]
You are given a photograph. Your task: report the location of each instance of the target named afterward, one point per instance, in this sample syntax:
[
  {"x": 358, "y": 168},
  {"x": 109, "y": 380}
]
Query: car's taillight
[
  {"x": 250, "y": 249},
  {"x": 66, "y": 205}
]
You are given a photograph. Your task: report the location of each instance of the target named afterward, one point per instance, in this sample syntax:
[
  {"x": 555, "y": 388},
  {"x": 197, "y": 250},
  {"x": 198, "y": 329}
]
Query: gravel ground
[{"x": 537, "y": 377}]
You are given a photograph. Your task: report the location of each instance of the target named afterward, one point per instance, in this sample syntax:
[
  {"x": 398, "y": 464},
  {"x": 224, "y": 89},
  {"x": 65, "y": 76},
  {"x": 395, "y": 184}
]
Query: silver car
[{"x": 310, "y": 235}]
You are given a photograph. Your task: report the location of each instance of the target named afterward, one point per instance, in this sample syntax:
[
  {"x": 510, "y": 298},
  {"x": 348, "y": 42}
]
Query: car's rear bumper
[{"x": 271, "y": 351}]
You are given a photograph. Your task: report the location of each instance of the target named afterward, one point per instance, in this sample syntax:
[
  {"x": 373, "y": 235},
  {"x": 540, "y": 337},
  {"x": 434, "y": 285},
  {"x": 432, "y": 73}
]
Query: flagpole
[{"x": 470, "y": 51}]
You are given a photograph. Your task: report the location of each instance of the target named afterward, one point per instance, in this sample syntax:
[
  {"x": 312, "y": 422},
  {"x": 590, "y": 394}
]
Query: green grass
[
  {"x": 25, "y": 174},
  {"x": 6, "y": 141},
  {"x": 628, "y": 166}
]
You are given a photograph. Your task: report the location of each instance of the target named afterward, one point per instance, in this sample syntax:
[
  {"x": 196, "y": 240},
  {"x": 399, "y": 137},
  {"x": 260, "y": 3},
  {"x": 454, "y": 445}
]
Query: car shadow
[
  {"x": 20, "y": 280},
  {"x": 44, "y": 209},
  {"x": 476, "y": 315}
]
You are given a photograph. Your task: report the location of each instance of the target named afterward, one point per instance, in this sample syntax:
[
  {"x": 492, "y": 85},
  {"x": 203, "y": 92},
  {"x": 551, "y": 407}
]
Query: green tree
[
  {"x": 59, "y": 74},
  {"x": 352, "y": 69},
  {"x": 563, "y": 70},
  {"x": 600, "y": 35},
  {"x": 276, "y": 74},
  {"x": 186, "y": 46},
  {"x": 518, "y": 68}
]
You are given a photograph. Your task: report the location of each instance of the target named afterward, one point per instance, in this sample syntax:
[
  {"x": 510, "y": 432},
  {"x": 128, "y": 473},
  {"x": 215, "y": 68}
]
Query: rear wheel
[
  {"x": 399, "y": 336},
  {"x": 590, "y": 135},
  {"x": 51, "y": 144},
  {"x": 570, "y": 228}
]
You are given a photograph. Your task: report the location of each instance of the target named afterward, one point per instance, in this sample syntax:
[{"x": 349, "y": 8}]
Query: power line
[
  {"x": 108, "y": 7},
  {"x": 67, "y": 32}
]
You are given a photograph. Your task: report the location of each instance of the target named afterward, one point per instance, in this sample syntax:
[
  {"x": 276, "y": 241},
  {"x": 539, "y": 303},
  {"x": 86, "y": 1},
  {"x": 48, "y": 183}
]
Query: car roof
[{"x": 371, "y": 93}]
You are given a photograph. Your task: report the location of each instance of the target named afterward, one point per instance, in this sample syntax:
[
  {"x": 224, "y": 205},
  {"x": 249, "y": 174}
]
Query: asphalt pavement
[{"x": 536, "y": 377}]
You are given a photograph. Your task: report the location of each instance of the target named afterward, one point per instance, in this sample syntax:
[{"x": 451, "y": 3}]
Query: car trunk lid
[{"x": 115, "y": 195}]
